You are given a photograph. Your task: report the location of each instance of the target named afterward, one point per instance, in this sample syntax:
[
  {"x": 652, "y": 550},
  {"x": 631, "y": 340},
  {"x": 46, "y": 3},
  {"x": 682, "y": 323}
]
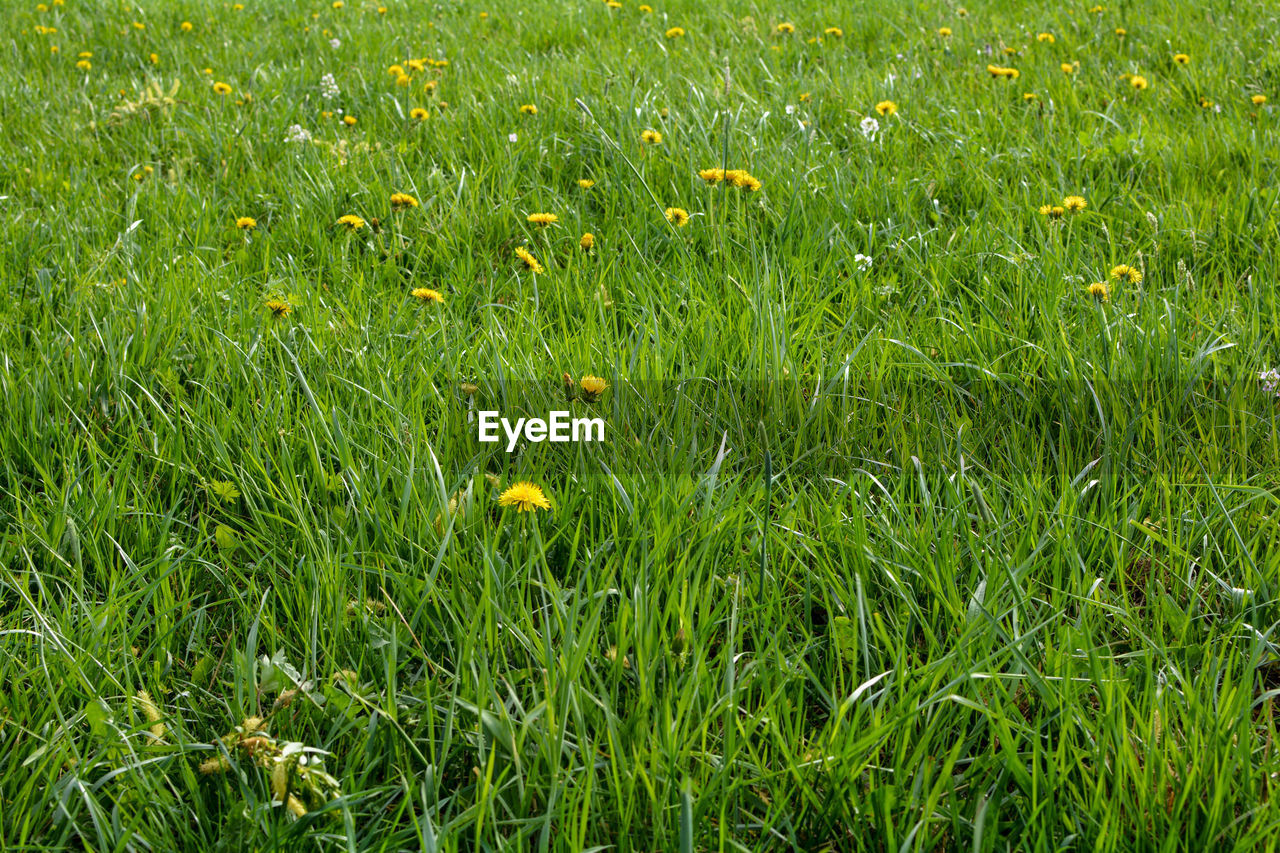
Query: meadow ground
[{"x": 937, "y": 503}]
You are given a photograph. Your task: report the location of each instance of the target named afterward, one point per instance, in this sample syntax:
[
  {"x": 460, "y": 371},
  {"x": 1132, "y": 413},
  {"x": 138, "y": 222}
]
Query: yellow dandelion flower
[
  {"x": 418, "y": 114},
  {"x": 1067, "y": 68},
  {"x": 1181, "y": 59},
  {"x": 396, "y": 70},
  {"x": 529, "y": 109},
  {"x": 278, "y": 307},
  {"x": 1258, "y": 100},
  {"x": 351, "y": 222},
  {"x": 1099, "y": 291},
  {"x": 962, "y": 12},
  {"x": 1045, "y": 37},
  {"x": 246, "y": 223},
  {"x": 586, "y": 183},
  {"x": 338, "y": 4},
  {"x": 944, "y": 32},
  {"x": 1052, "y": 211},
  {"x": 221, "y": 88},
  {"x": 84, "y": 65},
  {"x": 404, "y": 80},
  {"x": 1121, "y": 31},
  {"x": 1138, "y": 82},
  {"x": 587, "y": 242},
  {"x": 786, "y": 28},
  {"x": 834, "y": 32},
  {"x": 675, "y": 32},
  {"x": 349, "y": 120},
  {"x": 542, "y": 220},
  {"x": 886, "y": 108},
  {"x": 1030, "y": 96},
  {"x": 185, "y": 26},
  {"x": 1126, "y": 273},
  {"x": 426, "y": 294},
  {"x": 400, "y": 201},
  {"x": 418, "y": 65},
  {"x": 1205, "y": 103},
  {"x": 1074, "y": 203},
  {"x": 645, "y": 8},
  {"x": 677, "y": 216},
  {"x": 652, "y": 137},
  {"x": 138, "y": 25},
  {"x": 592, "y": 388},
  {"x": 530, "y": 262},
  {"x": 525, "y": 497},
  {"x": 711, "y": 176}
]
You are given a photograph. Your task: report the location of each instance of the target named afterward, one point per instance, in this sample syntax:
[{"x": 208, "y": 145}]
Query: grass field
[{"x": 937, "y": 504}]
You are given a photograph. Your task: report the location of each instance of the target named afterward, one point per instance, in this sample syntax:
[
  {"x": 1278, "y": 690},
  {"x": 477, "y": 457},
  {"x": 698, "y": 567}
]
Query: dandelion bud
[{"x": 570, "y": 389}]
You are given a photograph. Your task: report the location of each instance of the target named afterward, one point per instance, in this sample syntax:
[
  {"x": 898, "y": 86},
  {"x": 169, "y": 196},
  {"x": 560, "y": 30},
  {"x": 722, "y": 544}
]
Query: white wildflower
[
  {"x": 329, "y": 87},
  {"x": 869, "y": 127}
]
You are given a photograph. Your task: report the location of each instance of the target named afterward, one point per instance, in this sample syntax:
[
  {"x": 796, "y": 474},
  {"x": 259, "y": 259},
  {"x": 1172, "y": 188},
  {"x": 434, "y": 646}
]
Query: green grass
[{"x": 936, "y": 554}]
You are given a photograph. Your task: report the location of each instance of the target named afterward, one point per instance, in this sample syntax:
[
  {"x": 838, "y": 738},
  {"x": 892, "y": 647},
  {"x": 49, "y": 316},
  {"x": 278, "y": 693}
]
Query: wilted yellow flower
[
  {"x": 886, "y": 108},
  {"x": 426, "y": 294},
  {"x": 530, "y": 262},
  {"x": 399, "y": 201},
  {"x": 525, "y": 497},
  {"x": 587, "y": 242},
  {"x": 246, "y": 223},
  {"x": 1126, "y": 273},
  {"x": 542, "y": 220},
  {"x": 677, "y": 215},
  {"x": 652, "y": 137}
]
